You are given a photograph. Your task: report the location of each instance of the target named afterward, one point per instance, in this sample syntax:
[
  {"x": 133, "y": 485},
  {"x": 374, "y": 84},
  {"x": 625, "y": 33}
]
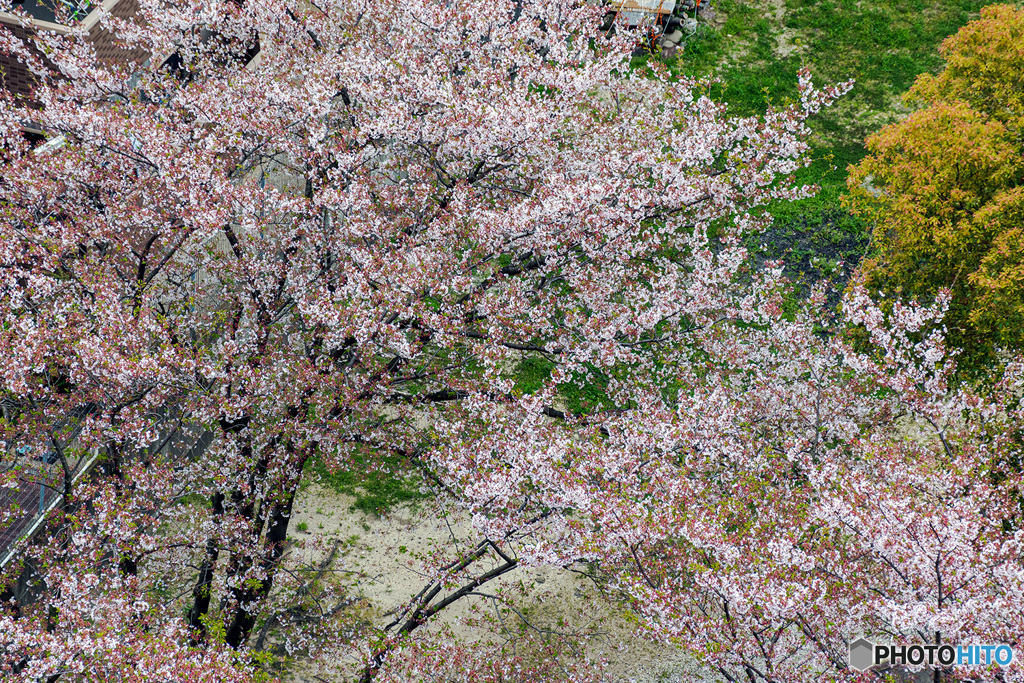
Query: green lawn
[
  {"x": 756, "y": 50},
  {"x": 884, "y": 46},
  {"x": 378, "y": 482}
]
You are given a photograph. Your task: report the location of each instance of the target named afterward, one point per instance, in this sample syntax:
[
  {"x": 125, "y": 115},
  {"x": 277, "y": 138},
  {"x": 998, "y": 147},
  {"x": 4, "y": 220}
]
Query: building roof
[{"x": 15, "y": 76}]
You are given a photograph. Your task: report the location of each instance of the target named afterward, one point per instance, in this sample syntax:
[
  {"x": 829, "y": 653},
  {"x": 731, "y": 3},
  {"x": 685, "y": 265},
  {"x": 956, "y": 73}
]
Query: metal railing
[{"x": 42, "y": 478}]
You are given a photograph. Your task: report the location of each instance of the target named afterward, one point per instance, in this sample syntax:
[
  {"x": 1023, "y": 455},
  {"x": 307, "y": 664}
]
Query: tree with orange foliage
[{"x": 944, "y": 189}]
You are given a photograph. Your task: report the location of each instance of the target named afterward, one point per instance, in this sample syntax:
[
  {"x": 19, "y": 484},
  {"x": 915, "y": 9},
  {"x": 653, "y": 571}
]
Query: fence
[{"x": 41, "y": 478}]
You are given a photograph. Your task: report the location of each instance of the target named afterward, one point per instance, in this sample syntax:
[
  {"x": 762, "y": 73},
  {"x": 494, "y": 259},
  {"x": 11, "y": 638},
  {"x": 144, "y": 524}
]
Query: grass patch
[
  {"x": 582, "y": 395},
  {"x": 586, "y": 393},
  {"x": 377, "y": 484},
  {"x": 531, "y": 373},
  {"x": 757, "y": 51},
  {"x": 883, "y": 45}
]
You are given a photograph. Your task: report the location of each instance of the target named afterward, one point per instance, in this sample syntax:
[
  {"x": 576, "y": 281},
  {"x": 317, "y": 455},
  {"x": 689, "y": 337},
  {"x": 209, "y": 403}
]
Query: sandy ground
[{"x": 378, "y": 557}]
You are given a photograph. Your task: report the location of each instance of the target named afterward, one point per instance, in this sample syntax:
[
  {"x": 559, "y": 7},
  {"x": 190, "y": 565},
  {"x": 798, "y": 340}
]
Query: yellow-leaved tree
[{"x": 944, "y": 188}]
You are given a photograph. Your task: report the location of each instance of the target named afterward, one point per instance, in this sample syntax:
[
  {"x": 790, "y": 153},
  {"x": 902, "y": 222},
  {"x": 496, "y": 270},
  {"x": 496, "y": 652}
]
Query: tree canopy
[
  {"x": 345, "y": 248},
  {"x": 943, "y": 186}
]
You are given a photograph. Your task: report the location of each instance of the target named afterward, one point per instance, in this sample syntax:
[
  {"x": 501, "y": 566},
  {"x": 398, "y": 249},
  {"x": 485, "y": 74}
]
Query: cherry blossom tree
[{"x": 347, "y": 245}]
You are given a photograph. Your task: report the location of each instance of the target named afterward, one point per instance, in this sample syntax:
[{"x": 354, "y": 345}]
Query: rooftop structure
[{"x": 31, "y": 16}]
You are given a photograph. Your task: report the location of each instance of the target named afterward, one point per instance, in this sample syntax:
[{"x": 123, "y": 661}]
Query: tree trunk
[
  {"x": 248, "y": 598},
  {"x": 277, "y": 532},
  {"x": 201, "y": 592}
]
